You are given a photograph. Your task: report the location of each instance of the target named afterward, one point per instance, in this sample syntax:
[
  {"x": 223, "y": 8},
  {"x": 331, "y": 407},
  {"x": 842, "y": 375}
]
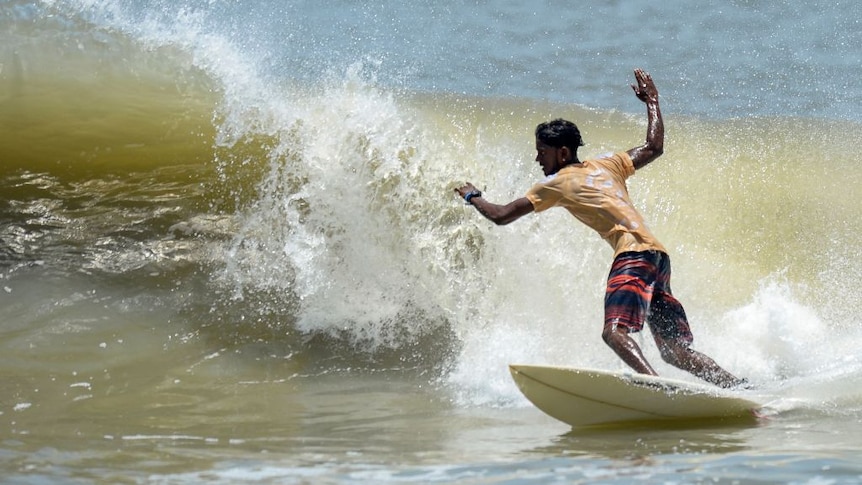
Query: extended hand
[
  {"x": 465, "y": 189},
  {"x": 645, "y": 88}
]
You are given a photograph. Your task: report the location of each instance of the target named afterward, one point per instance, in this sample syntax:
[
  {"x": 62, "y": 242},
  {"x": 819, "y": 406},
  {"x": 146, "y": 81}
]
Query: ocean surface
[{"x": 230, "y": 250}]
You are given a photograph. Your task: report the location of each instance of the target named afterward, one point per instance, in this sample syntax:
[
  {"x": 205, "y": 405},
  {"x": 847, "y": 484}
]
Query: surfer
[{"x": 594, "y": 191}]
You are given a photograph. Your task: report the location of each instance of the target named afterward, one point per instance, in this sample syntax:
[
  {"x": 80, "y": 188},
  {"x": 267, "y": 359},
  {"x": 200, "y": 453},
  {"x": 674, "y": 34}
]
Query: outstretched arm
[
  {"x": 496, "y": 213},
  {"x": 646, "y": 91}
]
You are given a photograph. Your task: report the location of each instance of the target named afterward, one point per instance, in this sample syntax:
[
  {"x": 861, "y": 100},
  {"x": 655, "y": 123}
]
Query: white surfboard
[{"x": 589, "y": 397}]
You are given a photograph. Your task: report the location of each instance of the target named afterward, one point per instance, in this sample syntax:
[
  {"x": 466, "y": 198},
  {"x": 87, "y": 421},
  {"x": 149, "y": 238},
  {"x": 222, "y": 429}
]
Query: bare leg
[
  {"x": 627, "y": 349},
  {"x": 678, "y": 354}
]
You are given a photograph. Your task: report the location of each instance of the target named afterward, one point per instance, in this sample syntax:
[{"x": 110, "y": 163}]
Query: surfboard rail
[{"x": 588, "y": 397}]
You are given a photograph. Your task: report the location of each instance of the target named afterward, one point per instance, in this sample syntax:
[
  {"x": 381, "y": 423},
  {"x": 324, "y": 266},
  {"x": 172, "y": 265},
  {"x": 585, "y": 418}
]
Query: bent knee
[
  {"x": 608, "y": 333},
  {"x": 613, "y": 331},
  {"x": 673, "y": 353},
  {"x": 671, "y": 357}
]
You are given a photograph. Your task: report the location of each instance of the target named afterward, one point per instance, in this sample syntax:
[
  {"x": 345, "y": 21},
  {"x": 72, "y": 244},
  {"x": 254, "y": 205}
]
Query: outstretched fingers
[{"x": 644, "y": 87}]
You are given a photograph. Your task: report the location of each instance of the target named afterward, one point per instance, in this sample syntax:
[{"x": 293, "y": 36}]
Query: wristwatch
[{"x": 473, "y": 193}]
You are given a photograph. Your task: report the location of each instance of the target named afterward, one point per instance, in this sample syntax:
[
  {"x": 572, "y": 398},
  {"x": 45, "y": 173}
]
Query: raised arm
[
  {"x": 646, "y": 91},
  {"x": 496, "y": 213}
]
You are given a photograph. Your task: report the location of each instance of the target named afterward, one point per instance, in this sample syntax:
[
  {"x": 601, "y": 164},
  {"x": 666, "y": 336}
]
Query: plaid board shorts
[{"x": 639, "y": 290}]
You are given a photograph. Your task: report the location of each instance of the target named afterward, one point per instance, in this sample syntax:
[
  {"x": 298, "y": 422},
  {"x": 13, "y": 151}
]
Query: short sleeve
[
  {"x": 543, "y": 196},
  {"x": 619, "y": 163}
]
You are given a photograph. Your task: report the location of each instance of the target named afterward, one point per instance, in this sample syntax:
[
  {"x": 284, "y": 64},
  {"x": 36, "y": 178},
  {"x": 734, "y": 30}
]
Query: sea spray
[{"x": 334, "y": 218}]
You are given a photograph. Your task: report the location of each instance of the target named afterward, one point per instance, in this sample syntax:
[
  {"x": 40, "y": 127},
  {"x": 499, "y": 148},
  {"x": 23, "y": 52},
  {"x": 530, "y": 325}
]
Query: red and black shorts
[{"x": 639, "y": 291}]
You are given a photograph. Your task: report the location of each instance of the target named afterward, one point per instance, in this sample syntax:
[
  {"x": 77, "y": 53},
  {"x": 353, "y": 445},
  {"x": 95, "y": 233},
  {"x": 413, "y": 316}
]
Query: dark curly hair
[{"x": 560, "y": 133}]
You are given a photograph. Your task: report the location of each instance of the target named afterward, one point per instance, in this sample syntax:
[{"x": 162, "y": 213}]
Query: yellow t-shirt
[{"x": 595, "y": 192}]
